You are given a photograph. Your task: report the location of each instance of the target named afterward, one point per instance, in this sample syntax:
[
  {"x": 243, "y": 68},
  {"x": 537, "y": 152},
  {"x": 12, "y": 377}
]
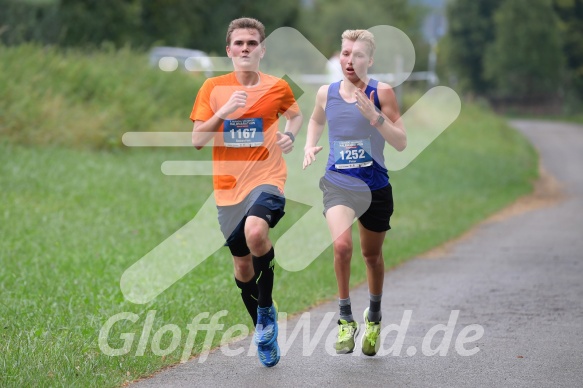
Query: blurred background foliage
[
  {"x": 512, "y": 52},
  {"x": 516, "y": 53},
  {"x": 190, "y": 23}
]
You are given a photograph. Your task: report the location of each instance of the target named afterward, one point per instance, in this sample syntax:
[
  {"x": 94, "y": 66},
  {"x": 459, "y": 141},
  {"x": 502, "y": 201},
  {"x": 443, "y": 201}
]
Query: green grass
[
  {"x": 574, "y": 118},
  {"x": 88, "y": 100},
  {"x": 75, "y": 216},
  {"x": 73, "y": 221},
  {"x": 577, "y": 119}
]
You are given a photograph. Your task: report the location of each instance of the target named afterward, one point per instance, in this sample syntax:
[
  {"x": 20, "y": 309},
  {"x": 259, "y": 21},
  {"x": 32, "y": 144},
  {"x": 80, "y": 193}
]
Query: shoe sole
[{"x": 362, "y": 347}]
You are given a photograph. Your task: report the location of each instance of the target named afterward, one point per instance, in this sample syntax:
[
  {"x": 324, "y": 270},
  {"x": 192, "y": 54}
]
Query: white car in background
[{"x": 172, "y": 58}]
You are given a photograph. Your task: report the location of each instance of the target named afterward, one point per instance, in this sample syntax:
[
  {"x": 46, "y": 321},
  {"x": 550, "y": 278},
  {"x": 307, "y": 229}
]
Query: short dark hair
[{"x": 246, "y": 23}]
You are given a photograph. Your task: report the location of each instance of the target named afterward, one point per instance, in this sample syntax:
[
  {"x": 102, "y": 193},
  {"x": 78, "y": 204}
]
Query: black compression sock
[
  {"x": 249, "y": 294},
  {"x": 263, "y": 266}
]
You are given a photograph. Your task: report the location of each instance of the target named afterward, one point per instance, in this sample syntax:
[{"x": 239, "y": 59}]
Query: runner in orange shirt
[{"x": 240, "y": 112}]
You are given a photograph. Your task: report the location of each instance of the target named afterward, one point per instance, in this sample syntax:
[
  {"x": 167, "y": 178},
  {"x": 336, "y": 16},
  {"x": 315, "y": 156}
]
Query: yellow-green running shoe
[
  {"x": 370, "y": 340},
  {"x": 347, "y": 332}
]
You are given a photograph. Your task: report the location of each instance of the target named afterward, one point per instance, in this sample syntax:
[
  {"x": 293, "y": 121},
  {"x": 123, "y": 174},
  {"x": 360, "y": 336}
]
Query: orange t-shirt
[{"x": 245, "y": 154}]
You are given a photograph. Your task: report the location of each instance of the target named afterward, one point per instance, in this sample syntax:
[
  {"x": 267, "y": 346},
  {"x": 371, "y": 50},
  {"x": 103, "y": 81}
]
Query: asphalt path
[{"x": 502, "y": 306}]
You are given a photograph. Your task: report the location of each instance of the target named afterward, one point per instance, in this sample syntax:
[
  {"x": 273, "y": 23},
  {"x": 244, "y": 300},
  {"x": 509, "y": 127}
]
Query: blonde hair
[
  {"x": 247, "y": 23},
  {"x": 362, "y": 36}
]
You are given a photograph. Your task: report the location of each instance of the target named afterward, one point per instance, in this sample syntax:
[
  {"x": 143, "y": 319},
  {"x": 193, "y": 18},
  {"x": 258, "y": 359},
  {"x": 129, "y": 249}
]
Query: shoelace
[
  {"x": 345, "y": 332},
  {"x": 265, "y": 328},
  {"x": 264, "y": 316},
  {"x": 372, "y": 333}
]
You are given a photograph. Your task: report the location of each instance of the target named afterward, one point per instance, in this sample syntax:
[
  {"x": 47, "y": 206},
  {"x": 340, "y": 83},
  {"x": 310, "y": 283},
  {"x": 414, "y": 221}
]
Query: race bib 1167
[{"x": 243, "y": 132}]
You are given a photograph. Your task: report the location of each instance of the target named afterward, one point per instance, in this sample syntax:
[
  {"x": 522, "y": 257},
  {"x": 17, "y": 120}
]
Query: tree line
[
  {"x": 198, "y": 24},
  {"x": 515, "y": 49}
]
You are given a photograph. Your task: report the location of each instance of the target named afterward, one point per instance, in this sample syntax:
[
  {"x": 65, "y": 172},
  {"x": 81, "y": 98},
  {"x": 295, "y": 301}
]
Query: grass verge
[{"x": 74, "y": 220}]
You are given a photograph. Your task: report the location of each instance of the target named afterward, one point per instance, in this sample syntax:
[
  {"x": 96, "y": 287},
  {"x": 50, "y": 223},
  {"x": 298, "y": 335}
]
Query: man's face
[
  {"x": 245, "y": 49},
  {"x": 355, "y": 60}
]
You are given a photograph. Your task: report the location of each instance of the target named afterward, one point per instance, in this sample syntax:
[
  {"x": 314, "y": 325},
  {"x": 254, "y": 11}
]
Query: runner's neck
[
  {"x": 350, "y": 87},
  {"x": 248, "y": 79}
]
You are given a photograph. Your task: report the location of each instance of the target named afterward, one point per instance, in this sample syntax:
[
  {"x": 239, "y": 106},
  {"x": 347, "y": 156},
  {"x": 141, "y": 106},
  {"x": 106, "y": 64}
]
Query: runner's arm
[
  {"x": 203, "y": 131},
  {"x": 315, "y": 127},
  {"x": 392, "y": 129},
  {"x": 293, "y": 126},
  {"x": 389, "y": 124}
]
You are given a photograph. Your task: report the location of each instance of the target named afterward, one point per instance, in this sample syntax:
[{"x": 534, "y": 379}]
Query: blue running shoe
[
  {"x": 269, "y": 354},
  {"x": 266, "y": 329}
]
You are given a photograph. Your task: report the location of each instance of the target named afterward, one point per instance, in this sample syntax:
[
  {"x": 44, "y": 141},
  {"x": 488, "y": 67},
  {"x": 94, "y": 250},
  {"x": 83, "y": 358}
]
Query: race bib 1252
[{"x": 352, "y": 154}]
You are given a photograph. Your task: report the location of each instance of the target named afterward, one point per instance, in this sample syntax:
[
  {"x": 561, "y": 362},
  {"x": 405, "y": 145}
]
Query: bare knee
[
  {"x": 342, "y": 250},
  {"x": 257, "y": 239},
  {"x": 372, "y": 258}
]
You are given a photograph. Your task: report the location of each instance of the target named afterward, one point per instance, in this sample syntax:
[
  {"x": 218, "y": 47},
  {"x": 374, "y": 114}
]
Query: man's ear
[{"x": 228, "y": 50}]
